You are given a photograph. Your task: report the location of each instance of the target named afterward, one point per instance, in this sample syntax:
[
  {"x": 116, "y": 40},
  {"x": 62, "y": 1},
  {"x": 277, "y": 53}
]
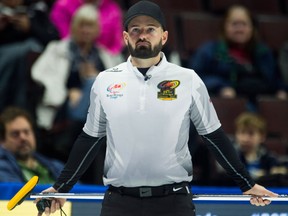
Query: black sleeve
[
  {"x": 81, "y": 156},
  {"x": 228, "y": 158}
]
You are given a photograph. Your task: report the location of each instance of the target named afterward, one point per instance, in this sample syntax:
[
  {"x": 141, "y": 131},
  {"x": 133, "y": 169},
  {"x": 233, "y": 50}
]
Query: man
[
  {"x": 19, "y": 160},
  {"x": 144, "y": 107}
]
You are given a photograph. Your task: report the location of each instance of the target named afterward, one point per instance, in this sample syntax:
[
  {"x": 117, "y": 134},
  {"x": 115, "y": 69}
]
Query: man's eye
[
  {"x": 135, "y": 30},
  {"x": 151, "y": 30},
  {"x": 15, "y": 133}
]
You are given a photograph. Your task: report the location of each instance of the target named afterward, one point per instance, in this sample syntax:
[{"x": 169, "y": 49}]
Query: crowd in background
[{"x": 51, "y": 52}]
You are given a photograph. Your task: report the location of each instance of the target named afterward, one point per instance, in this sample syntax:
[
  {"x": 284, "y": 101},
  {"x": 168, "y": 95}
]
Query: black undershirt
[{"x": 144, "y": 70}]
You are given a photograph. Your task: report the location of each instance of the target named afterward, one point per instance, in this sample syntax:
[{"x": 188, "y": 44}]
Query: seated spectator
[
  {"x": 250, "y": 136},
  {"x": 19, "y": 160},
  {"x": 238, "y": 64},
  {"x": 23, "y": 28},
  {"x": 110, "y": 21},
  {"x": 67, "y": 68}
]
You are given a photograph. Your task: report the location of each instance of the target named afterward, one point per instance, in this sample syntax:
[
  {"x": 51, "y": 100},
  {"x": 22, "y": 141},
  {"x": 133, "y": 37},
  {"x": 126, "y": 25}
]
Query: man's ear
[
  {"x": 164, "y": 37},
  {"x": 125, "y": 37}
]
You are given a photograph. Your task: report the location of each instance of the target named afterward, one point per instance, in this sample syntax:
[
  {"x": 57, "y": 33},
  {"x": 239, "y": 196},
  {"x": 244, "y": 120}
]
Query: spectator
[
  {"x": 237, "y": 64},
  {"x": 68, "y": 68},
  {"x": 110, "y": 16},
  {"x": 19, "y": 160},
  {"x": 23, "y": 28},
  {"x": 250, "y": 137}
]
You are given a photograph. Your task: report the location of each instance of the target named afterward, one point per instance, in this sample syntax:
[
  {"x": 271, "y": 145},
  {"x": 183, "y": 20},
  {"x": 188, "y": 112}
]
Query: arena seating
[
  {"x": 256, "y": 6},
  {"x": 227, "y": 111},
  {"x": 276, "y": 114},
  {"x": 273, "y": 30}
]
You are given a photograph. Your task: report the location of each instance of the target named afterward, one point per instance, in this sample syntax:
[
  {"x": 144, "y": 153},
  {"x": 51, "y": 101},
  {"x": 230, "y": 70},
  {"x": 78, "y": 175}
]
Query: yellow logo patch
[{"x": 167, "y": 89}]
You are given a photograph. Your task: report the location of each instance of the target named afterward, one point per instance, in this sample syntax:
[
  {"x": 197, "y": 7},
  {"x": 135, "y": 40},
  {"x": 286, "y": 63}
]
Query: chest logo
[
  {"x": 167, "y": 89},
  {"x": 115, "y": 90}
]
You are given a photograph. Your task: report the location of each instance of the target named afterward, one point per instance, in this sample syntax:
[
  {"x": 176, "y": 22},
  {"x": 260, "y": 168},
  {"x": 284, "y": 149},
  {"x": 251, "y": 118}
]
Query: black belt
[{"x": 153, "y": 191}]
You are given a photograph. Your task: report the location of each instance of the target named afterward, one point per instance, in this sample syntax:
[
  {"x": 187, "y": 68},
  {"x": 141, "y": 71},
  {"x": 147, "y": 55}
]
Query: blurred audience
[
  {"x": 23, "y": 28},
  {"x": 110, "y": 21},
  {"x": 19, "y": 159},
  {"x": 263, "y": 165},
  {"x": 238, "y": 64},
  {"x": 67, "y": 69}
]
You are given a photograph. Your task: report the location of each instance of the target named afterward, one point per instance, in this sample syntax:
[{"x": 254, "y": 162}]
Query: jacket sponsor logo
[
  {"x": 114, "y": 69},
  {"x": 167, "y": 89},
  {"x": 115, "y": 90}
]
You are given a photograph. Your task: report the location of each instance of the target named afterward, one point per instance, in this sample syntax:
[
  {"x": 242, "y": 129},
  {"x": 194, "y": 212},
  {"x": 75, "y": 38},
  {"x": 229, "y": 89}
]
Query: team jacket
[{"x": 146, "y": 121}]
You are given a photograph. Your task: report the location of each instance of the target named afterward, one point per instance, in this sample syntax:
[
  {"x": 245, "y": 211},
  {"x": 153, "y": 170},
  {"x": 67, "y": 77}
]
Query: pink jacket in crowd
[{"x": 111, "y": 23}]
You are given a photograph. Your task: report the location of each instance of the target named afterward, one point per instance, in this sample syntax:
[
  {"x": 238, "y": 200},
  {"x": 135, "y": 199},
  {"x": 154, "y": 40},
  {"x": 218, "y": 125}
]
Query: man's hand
[
  {"x": 55, "y": 204},
  {"x": 258, "y": 192}
]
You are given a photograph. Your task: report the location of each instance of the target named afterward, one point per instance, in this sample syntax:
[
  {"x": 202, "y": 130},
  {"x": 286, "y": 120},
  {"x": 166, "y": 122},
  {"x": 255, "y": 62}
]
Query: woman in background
[
  {"x": 110, "y": 21},
  {"x": 238, "y": 64}
]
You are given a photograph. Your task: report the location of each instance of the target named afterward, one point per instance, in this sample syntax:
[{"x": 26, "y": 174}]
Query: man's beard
[
  {"x": 21, "y": 156},
  {"x": 24, "y": 154},
  {"x": 145, "y": 52}
]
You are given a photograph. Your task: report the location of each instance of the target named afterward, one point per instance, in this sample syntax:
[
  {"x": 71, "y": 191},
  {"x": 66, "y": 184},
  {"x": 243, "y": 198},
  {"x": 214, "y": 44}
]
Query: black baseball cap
[{"x": 146, "y": 8}]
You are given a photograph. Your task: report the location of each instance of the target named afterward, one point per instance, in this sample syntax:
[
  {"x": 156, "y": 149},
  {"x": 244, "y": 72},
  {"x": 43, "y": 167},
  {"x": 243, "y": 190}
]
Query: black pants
[{"x": 115, "y": 204}]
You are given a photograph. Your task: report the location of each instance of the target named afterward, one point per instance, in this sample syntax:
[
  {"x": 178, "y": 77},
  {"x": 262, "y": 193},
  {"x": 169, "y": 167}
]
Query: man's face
[
  {"x": 19, "y": 138},
  {"x": 144, "y": 37}
]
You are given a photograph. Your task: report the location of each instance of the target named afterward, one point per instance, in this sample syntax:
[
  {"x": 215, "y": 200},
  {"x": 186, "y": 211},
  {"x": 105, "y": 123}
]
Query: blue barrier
[{"x": 203, "y": 208}]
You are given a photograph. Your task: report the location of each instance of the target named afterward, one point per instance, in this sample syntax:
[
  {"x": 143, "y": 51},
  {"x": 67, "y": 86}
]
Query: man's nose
[
  {"x": 246, "y": 137},
  {"x": 23, "y": 135},
  {"x": 143, "y": 34}
]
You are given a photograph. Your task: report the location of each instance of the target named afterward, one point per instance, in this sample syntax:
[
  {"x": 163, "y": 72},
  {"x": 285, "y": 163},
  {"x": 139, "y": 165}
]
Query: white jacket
[
  {"x": 148, "y": 117},
  {"x": 51, "y": 69}
]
